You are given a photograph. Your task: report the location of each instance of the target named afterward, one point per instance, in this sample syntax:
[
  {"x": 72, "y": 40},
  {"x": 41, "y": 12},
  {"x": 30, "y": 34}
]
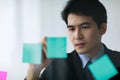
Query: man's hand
[{"x": 35, "y": 69}]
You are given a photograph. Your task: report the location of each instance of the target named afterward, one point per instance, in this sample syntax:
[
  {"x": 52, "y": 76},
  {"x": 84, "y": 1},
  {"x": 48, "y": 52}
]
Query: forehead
[{"x": 79, "y": 19}]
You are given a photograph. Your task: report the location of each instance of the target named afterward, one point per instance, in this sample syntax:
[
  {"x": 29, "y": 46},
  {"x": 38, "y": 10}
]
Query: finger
[
  {"x": 44, "y": 47},
  {"x": 44, "y": 41},
  {"x": 44, "y": 52}
]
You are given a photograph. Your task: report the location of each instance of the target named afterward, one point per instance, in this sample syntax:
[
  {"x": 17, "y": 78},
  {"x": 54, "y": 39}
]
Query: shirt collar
[{"x": 85, "y": 59}]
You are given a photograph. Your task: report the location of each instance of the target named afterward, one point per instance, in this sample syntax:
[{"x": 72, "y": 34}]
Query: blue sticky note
[
  {"x": 56, "y": 47},
  {"x": 103, "y": 69},
  {"x": 32, "y": 53}
]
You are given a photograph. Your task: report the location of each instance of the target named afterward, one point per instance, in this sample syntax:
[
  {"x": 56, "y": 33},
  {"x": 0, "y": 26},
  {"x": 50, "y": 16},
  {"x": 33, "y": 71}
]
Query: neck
[{"x": 94, "y": 51}]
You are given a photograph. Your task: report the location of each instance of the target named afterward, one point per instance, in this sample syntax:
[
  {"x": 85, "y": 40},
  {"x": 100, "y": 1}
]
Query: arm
[{"x": 35, "y": 69}]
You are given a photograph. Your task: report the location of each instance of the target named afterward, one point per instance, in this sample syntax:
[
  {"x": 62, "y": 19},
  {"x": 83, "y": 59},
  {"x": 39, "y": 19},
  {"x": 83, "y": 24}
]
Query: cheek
[
  {"x": 93, "y": 37},
  {"x": 71, "y": 37}
]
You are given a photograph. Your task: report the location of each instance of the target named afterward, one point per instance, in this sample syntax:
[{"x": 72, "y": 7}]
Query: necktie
[{"x": 87, "y": 71}]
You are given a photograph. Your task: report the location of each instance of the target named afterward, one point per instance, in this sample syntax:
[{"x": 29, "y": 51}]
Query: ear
[{"x": 103, "y": 28}]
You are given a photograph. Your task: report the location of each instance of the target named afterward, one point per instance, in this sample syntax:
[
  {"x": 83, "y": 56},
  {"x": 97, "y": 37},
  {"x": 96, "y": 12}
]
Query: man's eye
[
  {"x": 85, "y": 27},
  {"x": 71, "y": 29}
]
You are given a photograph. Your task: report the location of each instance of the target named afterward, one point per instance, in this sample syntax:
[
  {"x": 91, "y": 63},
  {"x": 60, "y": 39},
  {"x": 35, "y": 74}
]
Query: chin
[{"x": 81, "y": 51}]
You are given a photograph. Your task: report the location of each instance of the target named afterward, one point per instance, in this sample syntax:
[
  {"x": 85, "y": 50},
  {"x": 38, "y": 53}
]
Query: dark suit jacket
[{"x": 71, "y": 68}]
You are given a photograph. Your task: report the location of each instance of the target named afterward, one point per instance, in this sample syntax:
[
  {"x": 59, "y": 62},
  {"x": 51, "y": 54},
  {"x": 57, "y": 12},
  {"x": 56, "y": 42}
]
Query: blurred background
[{"x": 27, "y": 21}]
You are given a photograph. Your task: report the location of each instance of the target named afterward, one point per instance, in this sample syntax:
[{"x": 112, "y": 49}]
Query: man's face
[{"x": 84, "y": 33}]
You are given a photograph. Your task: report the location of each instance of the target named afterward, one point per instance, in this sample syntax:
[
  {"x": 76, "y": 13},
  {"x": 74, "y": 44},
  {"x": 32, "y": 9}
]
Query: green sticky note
[
  {"x": 103, "y": 69},
  {"x": 56, "y": 47},
  {"x": 32, "y": 53}
]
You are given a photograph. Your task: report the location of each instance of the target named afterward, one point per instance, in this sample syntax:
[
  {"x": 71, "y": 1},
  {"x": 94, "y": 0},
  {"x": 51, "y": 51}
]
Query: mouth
[{"x": 79, "y": 45}]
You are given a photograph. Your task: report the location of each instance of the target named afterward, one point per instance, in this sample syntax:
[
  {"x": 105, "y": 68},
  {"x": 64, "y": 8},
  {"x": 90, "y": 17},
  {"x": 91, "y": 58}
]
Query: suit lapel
[
  {"x": 76, "y": 66},
  {"x": 113, "y": 55}
]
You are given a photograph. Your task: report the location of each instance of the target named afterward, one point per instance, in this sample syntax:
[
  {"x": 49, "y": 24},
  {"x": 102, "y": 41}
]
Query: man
[{"x": 86, "y": 23}]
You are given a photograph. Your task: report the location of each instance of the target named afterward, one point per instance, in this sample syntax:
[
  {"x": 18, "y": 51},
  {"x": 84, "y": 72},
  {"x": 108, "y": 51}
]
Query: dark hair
[{"x": 92, "y": 8}]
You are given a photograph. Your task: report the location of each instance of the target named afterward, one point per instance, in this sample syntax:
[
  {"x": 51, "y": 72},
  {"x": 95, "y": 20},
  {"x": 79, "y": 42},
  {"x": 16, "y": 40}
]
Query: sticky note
[
  {"x": 3, "y": 75},
  {"x": 32, "y": 53},
  {"x": 56, "y": 47},
  {"x": 103, "y": 69}
]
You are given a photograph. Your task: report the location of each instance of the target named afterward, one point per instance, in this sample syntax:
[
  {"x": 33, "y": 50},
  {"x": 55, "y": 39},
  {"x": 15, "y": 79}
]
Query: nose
[{"x": 78, "y": 34}]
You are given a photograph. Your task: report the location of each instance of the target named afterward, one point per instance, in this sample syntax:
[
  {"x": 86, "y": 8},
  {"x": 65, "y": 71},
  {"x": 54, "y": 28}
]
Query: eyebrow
[
  {"x": 85, "y": 23},
  {"x": 69, "y": 26}
]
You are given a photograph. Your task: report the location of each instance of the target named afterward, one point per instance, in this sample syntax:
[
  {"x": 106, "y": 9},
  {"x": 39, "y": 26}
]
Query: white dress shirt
[{"x": 85, "y": 59}]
